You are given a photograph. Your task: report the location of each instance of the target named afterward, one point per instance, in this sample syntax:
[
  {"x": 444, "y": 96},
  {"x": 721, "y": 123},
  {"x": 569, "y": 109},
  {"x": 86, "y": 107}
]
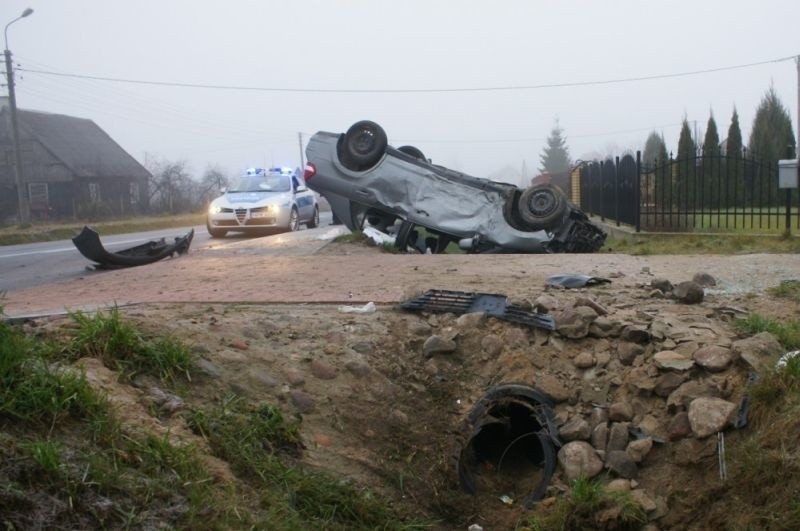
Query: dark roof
[{"x": 80, "y": 144}]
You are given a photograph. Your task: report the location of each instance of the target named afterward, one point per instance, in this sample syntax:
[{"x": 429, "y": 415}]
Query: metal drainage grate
[{"x": 440, "y": 300}]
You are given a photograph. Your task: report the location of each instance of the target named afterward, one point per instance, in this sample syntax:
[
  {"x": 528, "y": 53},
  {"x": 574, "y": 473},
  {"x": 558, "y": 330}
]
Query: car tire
[
  {"x": 364, "y": 145},
  {"x": 294, "y": 220},
  {"x": 542, "y": 206},
  {"x": 313, "y": 223},
  {"x": 413, "y": 151},
  {"x": 215, "y": 233}
]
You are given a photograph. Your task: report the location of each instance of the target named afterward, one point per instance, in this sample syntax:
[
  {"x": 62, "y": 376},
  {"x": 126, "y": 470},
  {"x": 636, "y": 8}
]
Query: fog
[{"x": 380, "y": 46}]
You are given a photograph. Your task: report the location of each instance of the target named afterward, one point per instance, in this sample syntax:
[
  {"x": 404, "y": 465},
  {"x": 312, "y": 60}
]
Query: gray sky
[{"x": 409, "y": 44}]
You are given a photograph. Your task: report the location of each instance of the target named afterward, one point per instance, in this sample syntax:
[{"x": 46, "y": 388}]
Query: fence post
[
  {"x": 616, "y": 189},
  {"x": 602, "y": 207},
  {"x": 638, "y": 193},
  {"x": 788, "y": 211}
]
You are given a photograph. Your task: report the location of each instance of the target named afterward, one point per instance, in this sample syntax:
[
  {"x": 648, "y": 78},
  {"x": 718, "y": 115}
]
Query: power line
[{"x": 411, "y": 91}]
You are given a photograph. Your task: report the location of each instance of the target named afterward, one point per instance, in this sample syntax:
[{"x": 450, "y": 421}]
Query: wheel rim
[
  {"x": 364, "y": 141},
  {"x": 293, "y": 220},
  {"x": 542, "y": 203}
]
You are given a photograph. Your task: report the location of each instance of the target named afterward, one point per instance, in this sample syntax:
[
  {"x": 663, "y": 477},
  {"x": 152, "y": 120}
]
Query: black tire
[
  {"x": 542, "y": 206},
  {"x": 364, "y": 145},
  {"x": 413, "y": 151},
  {"x": 314, "y": 221},
  {"x": 294, "y": 220},
  {"x": 215, "y": 233}
]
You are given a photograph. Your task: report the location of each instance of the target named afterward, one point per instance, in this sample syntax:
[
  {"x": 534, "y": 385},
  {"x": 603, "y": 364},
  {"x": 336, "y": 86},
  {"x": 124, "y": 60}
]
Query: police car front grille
[{"x": 241, "y": 213}]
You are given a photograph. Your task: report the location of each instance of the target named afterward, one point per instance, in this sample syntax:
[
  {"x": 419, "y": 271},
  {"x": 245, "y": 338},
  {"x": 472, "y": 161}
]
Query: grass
[
  {"x": 787, "y": 289},
  {"x": 260, "y": 445},
  {"x": 788, "y": 333},
  {"x": 42, "y": 232},
  {"x": 580, "y": 507},
  {"x": 67, "y": 462},
  {"x": 353, "y": 237},
  {"x": 123, "y": 348},
  {"x": 677, "y": 244}
]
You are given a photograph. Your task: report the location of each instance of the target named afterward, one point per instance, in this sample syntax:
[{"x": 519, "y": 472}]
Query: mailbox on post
[{"x": 787, "y": 174}]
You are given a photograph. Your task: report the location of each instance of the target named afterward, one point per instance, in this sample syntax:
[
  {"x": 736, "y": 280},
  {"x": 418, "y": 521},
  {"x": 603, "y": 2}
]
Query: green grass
[
  {"x": 353, "y": 237},
  {"x": 681, "y": 243},
  {"x": 579, "y": 507},
  {"x": 788, "y": 333},
  {"x": 787, "y": 290},
  {"x": 107, "y": 336},
  {"x": 42, "y": 232},
  {"x": 260, "y": 444}
]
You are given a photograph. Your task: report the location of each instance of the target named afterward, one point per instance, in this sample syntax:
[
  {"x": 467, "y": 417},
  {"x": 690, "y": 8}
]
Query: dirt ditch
[{"x": 640, "y": 384}]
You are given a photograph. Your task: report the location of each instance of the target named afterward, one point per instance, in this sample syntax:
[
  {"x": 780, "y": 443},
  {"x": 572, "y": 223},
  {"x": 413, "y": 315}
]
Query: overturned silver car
[{"x": 368, "y": 182}]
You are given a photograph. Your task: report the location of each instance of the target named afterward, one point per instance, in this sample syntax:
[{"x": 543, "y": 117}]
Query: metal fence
[{"x": 706, "y": 191}]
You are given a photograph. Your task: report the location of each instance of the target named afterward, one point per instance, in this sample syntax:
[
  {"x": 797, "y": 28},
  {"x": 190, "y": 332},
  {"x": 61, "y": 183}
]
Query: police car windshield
[{"x": 262, "y": 183}]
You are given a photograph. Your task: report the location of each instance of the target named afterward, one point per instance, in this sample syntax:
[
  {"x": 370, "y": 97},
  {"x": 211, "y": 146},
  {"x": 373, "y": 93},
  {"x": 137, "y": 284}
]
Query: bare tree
[{"x": 212, "y": 182}]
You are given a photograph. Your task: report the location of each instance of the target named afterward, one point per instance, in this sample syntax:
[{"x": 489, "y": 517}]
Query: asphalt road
[{"x": 34, "y": 264}]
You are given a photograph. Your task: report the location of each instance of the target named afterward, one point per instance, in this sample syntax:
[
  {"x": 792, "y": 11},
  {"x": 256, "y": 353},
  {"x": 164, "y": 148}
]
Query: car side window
[{"x": 295, "y": 183}]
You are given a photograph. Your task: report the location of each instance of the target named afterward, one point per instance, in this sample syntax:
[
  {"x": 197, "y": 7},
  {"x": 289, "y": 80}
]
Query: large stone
[
  {"x": 671, "y": 360},
  {"x": 704, "y": 279},
  {"x": 708, "y": 415},
  {"x": 604, "y": 327},
  {"x": 689, "y": 292},
  {"x": 688, "y": 391},
  {"x": 759, "y": 352},
  {"x": 713, "y": 358},
  {"x": 584, "y": 360},
  {"x": 599, "y": 415},
  {"x": 470, "y": 321},
  {"x": 437, "y": 344},
  {"x": 635, "y": 333},
  {"x": 573, "y": 323},
  {"x": 323, "y": 370},
  {"x": 628, "y": 352},
  {"x": 692, "y": 451},
  {"x": 579, "y": 459},
  {"x": 620, "y": 412},
  {"x": 639, "y": 449},
  {"x": 586, "y": 301},
  {"x": 668, "y": 382},
  {"x": 679, "y": 427},
  {"x": 643, "y": 500},
  {"x": 661, "y": 284},
  {"x": 303, "y": 401},
  {"x": 552, "y": 388},
  {"x": 546, "y": 304},
  {"x": 618, "y": 437},
  {"x": 576, "y": 429},
  {"x": 621, "y": 464}
]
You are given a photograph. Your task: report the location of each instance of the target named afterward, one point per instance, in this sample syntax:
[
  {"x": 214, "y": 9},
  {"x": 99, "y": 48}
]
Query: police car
[{"x": 277, "y": 198}]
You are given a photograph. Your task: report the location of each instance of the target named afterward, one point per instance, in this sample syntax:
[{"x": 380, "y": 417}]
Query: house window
[
  {"x": 134, "y": 191},
  {"x": 94, "y": 192},
  {"x": 38, "y": 194}
]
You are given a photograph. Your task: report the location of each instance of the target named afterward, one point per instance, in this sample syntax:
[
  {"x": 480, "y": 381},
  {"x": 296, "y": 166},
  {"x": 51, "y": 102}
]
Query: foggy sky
[{"x": 410, "y": 44}]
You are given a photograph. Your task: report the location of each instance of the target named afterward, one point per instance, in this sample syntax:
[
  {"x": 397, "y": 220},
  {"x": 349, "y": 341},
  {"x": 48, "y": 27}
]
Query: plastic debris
[
  {"x": 377, "y": 237},
  {"x": 784, "y": 360},
  {"x": 475, "y": 527},
  {"x": 571, "y": 281},
  {"x": 508, "y": 500},
  {"x": 367, "y": 308}
]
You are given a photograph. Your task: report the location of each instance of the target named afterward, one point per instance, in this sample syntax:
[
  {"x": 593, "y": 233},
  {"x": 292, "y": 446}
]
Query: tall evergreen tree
[
  {"x": 555, "y": 155},
  {"x": 733, "y": 153},
  {"x": 687, "y": 158},
  {"x": 655, "y": 150},
  {"x": 771, "y": 137},
  {"x": 710, "y": 185}
]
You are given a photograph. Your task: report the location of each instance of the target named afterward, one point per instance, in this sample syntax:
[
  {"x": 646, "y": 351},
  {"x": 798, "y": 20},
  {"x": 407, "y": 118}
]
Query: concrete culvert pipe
[{"x": 511, "y": 444}]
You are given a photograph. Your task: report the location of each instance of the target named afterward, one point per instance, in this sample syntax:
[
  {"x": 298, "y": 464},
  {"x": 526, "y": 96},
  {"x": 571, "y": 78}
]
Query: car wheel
[
  {"x": 314, "y": 221},
  {"x": 542, "y": 206},
  {"x": 364, "y": 145},
  {"x": 215, "y": 233},
  {"x": 294, "y": 220},
  {"x": 413, "y": 151}
]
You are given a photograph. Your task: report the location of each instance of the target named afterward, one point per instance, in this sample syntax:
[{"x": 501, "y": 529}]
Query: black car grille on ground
[
  {"x": 495, "y": 305},
  {"x": 241, "y": 213}
]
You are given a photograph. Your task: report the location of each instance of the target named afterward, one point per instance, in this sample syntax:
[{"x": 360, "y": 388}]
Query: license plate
[{"x": 259, "y": 215}]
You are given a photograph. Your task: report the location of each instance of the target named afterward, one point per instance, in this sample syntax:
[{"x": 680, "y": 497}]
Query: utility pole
[
  {"x": 302, "y": 157},
  {"x": 22, "y": 197}
]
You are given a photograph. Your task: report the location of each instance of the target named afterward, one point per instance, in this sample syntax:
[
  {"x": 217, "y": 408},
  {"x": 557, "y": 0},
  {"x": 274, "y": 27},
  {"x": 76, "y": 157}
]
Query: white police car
[{"x": 277, "y": 198}]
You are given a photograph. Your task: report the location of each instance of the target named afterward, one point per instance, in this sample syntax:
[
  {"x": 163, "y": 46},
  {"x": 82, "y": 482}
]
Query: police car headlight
[{"x": 214, "y": 209}]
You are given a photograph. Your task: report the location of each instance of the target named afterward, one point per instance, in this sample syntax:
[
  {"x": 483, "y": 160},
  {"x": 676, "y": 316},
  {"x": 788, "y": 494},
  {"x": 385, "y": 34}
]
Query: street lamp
[{"x": 24, "y": 208}]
